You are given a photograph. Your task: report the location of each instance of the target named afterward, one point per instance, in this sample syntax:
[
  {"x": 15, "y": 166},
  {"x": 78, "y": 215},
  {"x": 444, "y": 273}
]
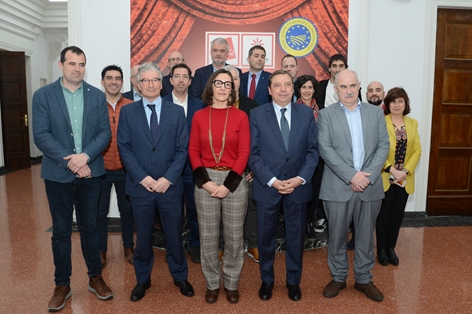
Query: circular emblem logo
[{"x": 298, "y": 36}]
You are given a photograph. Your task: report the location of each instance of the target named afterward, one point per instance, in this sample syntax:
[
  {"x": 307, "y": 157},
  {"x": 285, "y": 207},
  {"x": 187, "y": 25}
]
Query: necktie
[
  {"x": 252, "y": 88},
  {"x": 153, "y": 123},
  {"x": 284, "y": 127}
]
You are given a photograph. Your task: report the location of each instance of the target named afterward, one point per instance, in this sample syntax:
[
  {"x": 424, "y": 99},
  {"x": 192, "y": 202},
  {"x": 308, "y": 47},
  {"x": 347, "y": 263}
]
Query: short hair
[
  {"x": 337, "y": 57},
  {"x": 183, "y": 66},
  {"x": 289, "y": 56},
  {"x": 148, "y": 66},
  {"x": 112, "y": 67},
  {"x": 302, "y": 80},
  {"x": 230, "y": 68},
  {"x": 279, "y": 72},
  {"x": 207, "y": 95},
  {"x": 220, "y": 40},
  {"x": 392, "y": 95},
  {"x": 254, "y": 48},
  {"x": 73, "y": 49}
]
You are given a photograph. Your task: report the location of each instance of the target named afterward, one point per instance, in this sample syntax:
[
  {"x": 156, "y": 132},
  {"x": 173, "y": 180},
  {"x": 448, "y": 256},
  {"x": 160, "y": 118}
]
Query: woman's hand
[
  {"x": 210, "y": 187},
  {"x": 399, "y": 175},
  {"x": 220, "y": 192}
]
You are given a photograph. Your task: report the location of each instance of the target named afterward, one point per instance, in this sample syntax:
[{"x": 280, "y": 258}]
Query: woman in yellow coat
[{"x": 398, "y": 173}]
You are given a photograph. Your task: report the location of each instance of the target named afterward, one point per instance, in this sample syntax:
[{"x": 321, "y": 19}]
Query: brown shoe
[
  {"x": 254, "y": 254},
  {"x": 333, "y": 288},
  {"x": 211, "y": 295},
  {"x": 103, "y": 259},
  {"x": 98, "y": 286},
  {"x": 232, "y": 295},
  {"x": 370, "y": 290},
  {"x": 129, "y": 254},
  {"x": 58, "y": 300}
]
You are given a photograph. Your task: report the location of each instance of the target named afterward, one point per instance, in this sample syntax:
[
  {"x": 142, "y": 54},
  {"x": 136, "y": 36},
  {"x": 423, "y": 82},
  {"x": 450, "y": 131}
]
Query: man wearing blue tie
[
  {"x": 153, "y": 139},
  {"x": 284, "y": 155}
]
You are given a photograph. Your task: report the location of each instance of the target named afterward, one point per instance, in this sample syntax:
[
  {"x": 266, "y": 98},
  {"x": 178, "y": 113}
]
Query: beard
[{"x": 375, "y": 102}]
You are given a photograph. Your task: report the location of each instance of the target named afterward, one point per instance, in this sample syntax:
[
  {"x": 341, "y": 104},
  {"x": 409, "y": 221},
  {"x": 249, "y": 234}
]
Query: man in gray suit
[
  {"x": 71, "y": 128},
  {"x": 353, "y": 142}
]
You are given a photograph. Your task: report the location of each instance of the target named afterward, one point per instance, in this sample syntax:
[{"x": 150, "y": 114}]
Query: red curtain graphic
[{"x": 169, "y": 22}]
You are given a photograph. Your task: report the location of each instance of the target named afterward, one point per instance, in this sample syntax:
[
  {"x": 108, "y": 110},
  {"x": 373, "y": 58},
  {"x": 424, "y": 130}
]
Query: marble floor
[{"x": 434, "y": 275}]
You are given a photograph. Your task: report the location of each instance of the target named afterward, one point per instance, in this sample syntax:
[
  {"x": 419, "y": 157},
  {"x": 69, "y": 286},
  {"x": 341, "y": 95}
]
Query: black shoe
[
  {"x": 310, "y": 231},
  {"x": 294, "y": 292},
  {"x": 382, "y": 257},
  {"x": 194, "y": 254},
  {"x": 139, "y": 291},
  {"x": 265, "y": 292},
  {"x": 351, "y": 244},
  {"x": 185, "y": 288},
  {"x": 392, "y": 257}
]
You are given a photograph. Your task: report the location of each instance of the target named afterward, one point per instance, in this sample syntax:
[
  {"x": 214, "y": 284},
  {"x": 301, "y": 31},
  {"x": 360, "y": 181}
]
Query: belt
[{"x": 220, "y": 168}]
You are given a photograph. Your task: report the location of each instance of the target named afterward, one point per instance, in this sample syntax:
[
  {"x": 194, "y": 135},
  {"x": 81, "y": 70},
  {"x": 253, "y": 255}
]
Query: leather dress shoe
[
  {"x": 129, "y": 255},
  {"x": 194, "y": 254},
  {"x": 333, "y": 288},
  {"x": 232, "y": 295},
  {"x": 310, "y": 231},
  {"x": 265, "y": 292},
  {"x": 254, "y": 254},
  {"x": 392, "y": 257},
  {"x": 103, "y": 259},
  {"x": 294, "y": 292},
  {"x": 59, "y": 298},
  {"x": 211, "y": 295},
  {"x": 186, "y": 288},
  {"x": 139, "y": 291},
  {"x": 382, "y": 257},
  {"x": 370, "y": 290}
]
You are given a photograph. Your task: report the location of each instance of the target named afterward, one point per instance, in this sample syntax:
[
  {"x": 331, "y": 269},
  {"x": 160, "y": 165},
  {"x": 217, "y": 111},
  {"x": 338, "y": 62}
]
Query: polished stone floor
[{"x": 434, "y": 275}]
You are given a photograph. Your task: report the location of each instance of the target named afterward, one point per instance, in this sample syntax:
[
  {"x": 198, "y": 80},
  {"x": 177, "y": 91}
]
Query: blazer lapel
[
  {"x": 163, "y": 119},
  {"x": 274, "y": 125},
  {"x": 342, "y": 122},
  {"x": 294, "y": 126},
  {"x": 141, "y": 118},
  {"x": 62, "y": 103}
]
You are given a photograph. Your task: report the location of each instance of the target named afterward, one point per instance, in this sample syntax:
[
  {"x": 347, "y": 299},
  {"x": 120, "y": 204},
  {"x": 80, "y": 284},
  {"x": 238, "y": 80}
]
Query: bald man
[{"x": 375, "y": 94}]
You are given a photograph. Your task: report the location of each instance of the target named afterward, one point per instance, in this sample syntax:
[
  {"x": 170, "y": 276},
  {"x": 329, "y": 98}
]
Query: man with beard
[{"x": 375, "y": 94}]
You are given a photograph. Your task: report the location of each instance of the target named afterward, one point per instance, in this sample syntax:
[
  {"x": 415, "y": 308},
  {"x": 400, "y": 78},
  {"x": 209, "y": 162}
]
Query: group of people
[{"x": 235, "y": 150}]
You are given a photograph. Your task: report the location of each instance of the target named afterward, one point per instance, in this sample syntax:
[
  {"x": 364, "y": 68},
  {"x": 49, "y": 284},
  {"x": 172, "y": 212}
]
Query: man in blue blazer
[
  {"x": 284, "y": 155},
  {"x": 153, "y": 140},
  {"x": 180, "y": 78},
  {"x": 256, "y": 76},
  {"x": 71, "y": 128},
  {"x": 133, "y": 94}
]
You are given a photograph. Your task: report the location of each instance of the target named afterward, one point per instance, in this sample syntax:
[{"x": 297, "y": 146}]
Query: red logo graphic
[
  {"x": 257, "y": 41},
  {"x": 231, "y": 52}
]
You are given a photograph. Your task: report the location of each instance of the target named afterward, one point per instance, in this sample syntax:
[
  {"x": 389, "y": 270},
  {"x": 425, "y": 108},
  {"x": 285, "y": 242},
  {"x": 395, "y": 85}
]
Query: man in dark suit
[
  {"x": 219, "y": 51},
  {"x": 175, "y": 57},
  {"x": 254, "y": 83},
  {"x": 180, "y": 78},
  {"x": 71, "y": 128},
  {"x": 152, "y": 140},
  {"x": 284, "y": 155},
  {"x": 354, "y": 145},
  {"x": 133, "y": 94}
]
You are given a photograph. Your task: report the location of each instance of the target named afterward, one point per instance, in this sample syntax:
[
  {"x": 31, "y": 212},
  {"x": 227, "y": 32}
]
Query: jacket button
[{"x": 153, "y": 149}]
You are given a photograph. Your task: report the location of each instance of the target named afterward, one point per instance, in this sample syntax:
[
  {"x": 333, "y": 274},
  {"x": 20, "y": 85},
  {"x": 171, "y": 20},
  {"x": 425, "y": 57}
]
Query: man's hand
[
  {"x": 76, "y": 162},
  {"x": 148, "y": 183},
  {"x": 210, "y": 187},
  {"x": 359, "y": 181},
  {"x": 161, "y": 185},
  {"x": 220, "y": 192},
  {"x": 250, "y": 177},
  {"x": 290, "y": 185},
  {"x": 85, "y": 172}
]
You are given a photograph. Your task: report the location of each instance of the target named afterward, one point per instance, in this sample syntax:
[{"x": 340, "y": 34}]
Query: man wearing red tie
[{"x": 254, "y": 84}]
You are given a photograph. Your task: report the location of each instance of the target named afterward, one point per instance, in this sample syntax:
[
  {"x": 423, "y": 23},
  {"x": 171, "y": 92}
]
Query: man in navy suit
[
  {"x": 284, "y": 155},
  {"x": 180, "y": 78},
  {"x": 175, "y": 57},
  {"x": 254, "y": 83},
  {"x": 153, "y": 140},
  {"x": 71, "y": 128},
  {"x": 133, "y": 94},
  {"x": 219, "y": 54}
]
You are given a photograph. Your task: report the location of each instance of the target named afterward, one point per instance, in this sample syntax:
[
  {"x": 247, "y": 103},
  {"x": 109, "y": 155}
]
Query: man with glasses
[
  {"x": 180, "y": 78},
  {"x": 174, "y": 58},
  {"x": 219, "y": 54},
  {"x": 153, "y": 139},
  {"x": 133, "y": 94}
]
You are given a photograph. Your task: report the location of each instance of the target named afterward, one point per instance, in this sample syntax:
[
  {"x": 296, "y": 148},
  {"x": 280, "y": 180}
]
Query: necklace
[{"x": 217, "y": 156}]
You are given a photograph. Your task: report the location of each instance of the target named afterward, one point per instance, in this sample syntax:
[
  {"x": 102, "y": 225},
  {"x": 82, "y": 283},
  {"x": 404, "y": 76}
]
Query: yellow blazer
[{"x": 413, "y": 152}]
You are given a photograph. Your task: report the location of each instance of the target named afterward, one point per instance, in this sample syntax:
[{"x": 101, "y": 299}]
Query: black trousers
[{"x": 390, "y": 217}]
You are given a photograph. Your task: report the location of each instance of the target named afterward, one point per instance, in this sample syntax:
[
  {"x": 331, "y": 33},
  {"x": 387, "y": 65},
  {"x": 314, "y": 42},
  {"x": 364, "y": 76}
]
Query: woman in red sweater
[{"x": 219, "y": 150}]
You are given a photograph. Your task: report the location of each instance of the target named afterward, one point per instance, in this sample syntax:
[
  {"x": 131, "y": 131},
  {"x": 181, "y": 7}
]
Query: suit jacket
[
  {"x": 167, "y": 87},
  {"x": 200, "y": 80},
  {"x": 141, "y": 157},
  {"x": 129, "y": 95},
  {"x": 193, "y": 105},
  {"x": 52, "y": 130},
  {"x": 412, "y": 156},
  {"x": 320, "y": 99},
  {"x": 246, "y": 104},
  {"x": 335, "y": 146},
  {"x": 269, "y": 158},
  {"x": 261, "y": 96}
]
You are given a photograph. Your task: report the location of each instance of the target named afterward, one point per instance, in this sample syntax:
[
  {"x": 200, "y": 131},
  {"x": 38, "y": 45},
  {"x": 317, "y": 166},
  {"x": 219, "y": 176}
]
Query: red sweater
[{"x": 238, "y": 139}]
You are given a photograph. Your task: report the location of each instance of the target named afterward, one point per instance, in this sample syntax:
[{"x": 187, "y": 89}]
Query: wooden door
[
  {"x": 450, "y": 168},
  {"x": 14, "y": 108}
]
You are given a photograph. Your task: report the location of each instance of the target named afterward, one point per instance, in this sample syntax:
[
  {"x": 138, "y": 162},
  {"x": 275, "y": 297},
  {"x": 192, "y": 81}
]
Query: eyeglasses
[
  {"x": 176, "y": 59},
  {"x": 218, "y": 84},
  {"x": 179, "y": 77},
  {"x": 147, "y": 81}
]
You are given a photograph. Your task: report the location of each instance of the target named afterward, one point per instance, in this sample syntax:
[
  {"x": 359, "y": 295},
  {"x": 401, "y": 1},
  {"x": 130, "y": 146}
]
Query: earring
[{"x": 230, "y": 98}]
